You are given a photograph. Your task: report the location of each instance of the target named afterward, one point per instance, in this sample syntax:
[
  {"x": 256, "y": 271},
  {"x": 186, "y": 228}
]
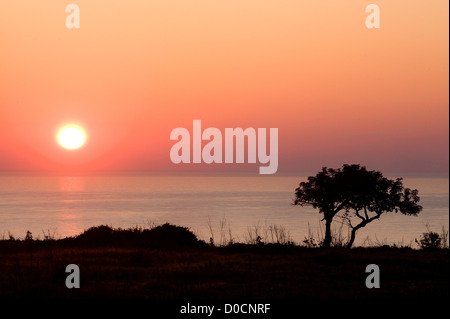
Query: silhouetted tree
[{"x": 359, "y": 194}]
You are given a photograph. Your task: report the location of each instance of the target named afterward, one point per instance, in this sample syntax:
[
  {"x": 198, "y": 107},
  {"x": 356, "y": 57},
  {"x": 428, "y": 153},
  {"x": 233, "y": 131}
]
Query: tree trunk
[
  {"x": 360, "y": 225},
  {"x": 327, "y": 239},
  {"x": 353, "y": 234},
  {"x": 352, "y": 238}
]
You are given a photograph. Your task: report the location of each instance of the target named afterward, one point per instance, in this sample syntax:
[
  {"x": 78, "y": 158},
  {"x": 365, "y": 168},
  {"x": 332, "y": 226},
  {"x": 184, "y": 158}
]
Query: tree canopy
[{"x": 361, "y": 195}]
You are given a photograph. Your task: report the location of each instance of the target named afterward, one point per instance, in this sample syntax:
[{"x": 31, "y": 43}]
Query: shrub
[
  {"x": 163, "y": 236},
  {"x": 28, "y": 236},
  {"x": 429, "y": 240},
  {"x": 170, "y": 236}
]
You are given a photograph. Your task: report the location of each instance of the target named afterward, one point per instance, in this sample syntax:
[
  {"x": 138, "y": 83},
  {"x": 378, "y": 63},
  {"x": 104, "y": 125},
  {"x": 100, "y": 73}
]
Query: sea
[{"x": 223, "y": 207}]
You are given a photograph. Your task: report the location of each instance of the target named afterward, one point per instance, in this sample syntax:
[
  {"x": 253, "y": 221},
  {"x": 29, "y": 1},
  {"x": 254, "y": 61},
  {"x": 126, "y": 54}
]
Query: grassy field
[{"x": 172, "y": 264}]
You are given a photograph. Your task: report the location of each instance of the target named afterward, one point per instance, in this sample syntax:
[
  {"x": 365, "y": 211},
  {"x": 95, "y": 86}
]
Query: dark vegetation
[
  {"x": 169, "y": 262},
  {"x": 356, "y": 196},
  {"x": 165, "y": 236}
]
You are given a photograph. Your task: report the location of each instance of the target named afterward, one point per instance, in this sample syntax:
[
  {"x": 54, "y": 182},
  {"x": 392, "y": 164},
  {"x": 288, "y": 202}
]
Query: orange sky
[{"x": 337, "y": 91}]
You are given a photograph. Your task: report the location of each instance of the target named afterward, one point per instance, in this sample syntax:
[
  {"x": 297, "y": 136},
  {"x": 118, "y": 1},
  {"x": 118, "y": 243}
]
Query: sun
[{"x": 71, "y": 137}]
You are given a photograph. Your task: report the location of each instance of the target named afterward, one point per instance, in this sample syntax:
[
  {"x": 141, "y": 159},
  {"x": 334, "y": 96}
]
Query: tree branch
[
  {"x": 373, "y": 218},
  {"x": 341, "y": 206},
  {"x": 302, "y": 202},
  {"x": 366, "y": 221},
  {"x": 357, "y": 214}
]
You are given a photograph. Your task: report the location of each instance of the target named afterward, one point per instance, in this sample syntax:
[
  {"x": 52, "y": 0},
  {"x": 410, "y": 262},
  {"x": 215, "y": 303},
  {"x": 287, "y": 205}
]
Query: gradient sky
[{"x": 337, "y": 91}]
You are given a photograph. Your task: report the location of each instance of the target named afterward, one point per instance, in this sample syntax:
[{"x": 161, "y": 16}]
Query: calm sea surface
[{"x": 64, "y": 205}]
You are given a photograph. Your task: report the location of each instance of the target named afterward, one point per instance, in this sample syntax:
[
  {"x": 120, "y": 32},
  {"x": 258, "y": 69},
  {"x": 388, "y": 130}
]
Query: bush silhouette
[
  {"x": 97, "y": 235},
  {"x": 165, "y": 236},
  {"x": 429, "y": 240},
  {"x": 168, "y": 235}
]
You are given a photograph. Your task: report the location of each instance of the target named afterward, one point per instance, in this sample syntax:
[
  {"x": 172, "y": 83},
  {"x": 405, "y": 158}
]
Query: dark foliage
[
  {"x": 356, "y": 193},
  {"x": 430, "y": 240},
  {"x": 165, "y": 236}
]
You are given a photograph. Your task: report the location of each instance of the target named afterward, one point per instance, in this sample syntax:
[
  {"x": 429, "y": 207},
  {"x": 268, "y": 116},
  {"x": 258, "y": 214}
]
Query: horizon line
[{"x": 280, "y": 173}]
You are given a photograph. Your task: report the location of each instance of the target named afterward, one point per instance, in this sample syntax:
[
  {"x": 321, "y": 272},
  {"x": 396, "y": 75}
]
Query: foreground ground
[{"x": 121, "y": 269}]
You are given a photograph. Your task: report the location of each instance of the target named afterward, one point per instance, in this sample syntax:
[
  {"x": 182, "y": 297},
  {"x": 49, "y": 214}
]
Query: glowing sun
[{"x": 71, "y": 137}]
